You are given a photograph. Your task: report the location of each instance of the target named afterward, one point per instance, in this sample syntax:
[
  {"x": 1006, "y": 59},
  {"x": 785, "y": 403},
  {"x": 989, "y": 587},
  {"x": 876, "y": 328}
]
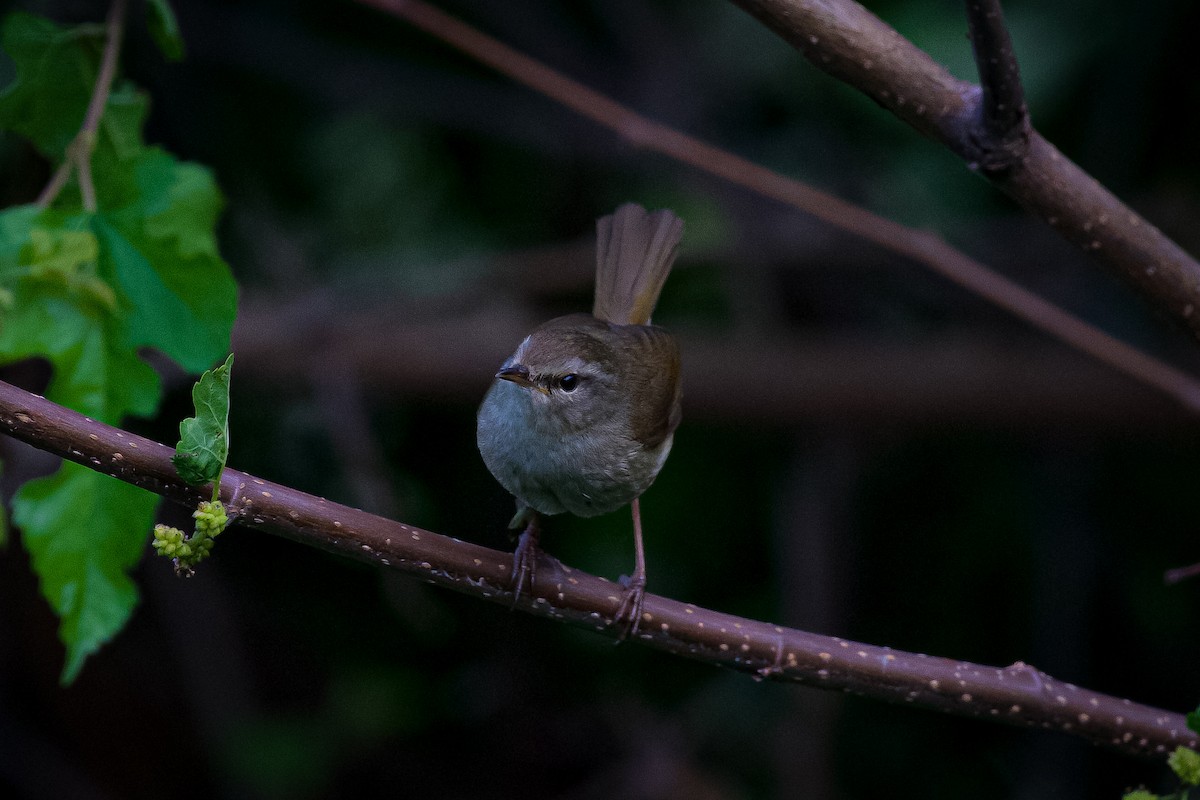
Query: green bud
[
  {"x": 1186, "y": 764},
  {"x": 166, "y": 533}
]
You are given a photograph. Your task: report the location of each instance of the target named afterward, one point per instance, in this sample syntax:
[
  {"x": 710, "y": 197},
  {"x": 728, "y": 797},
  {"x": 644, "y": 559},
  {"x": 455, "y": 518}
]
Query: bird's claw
[
  {"x": 525, "y": 558},
  {"x": 629, "y": 613}
]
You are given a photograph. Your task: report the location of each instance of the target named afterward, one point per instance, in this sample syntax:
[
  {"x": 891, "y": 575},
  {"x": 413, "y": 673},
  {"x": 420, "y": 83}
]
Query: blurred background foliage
[{"x": 953, "y": 483}]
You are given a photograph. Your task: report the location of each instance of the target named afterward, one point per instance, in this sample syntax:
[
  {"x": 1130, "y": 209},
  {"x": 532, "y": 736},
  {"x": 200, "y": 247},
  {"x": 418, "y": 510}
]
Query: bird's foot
[
  {"x": 629, "y": 613},
  {"x": 525, "y": 558}
]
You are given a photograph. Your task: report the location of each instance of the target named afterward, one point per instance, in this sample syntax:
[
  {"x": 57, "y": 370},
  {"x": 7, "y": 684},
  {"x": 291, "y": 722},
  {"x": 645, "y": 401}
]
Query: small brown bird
[{"x": 581, "y": 417}]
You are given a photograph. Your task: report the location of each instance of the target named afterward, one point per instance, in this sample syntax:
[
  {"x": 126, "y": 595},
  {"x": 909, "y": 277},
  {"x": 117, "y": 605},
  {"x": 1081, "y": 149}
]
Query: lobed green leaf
[
  {"x": 160, "y": 252},
  {"x": 63, "y": 310},
  {"x": 84, "y": 530},
  {"x": 55, "y": 70},
  {"x": 204, "y": 439}
]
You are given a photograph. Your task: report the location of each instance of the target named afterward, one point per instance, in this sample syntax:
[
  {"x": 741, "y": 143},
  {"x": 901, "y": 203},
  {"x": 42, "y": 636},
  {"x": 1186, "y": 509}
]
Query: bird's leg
[
  {"x": 630, "y": 610},
  {"x": 526, "y": 554}
]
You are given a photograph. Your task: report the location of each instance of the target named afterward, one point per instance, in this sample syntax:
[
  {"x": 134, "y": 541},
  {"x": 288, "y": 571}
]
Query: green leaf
[
  {"x": 67, "y": 258},
  {"x": 119, "y": 149},
  {"x": 1193, "y": 720},
  {"x": 160, "y": 252},
  {"x": 55, "y": 71},
  {"x": 120, "y": 131},
  {"x": 16, "y": 225},
  {"x": 1186, "y": 764},
  {"x": 204, "y": 439},
  {"x": 1139, "y": 794},
  {"x": 164, "y": 29},
  {"x": 84, "y": 531},
  {"x": 62, "y": 310},
  {"x": 90, "y": 374},
  {"x": 61, "y": 253}
]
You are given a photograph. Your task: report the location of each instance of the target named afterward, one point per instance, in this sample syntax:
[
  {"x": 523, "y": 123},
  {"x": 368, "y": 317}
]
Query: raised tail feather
[{"x": 634, "y": 252}]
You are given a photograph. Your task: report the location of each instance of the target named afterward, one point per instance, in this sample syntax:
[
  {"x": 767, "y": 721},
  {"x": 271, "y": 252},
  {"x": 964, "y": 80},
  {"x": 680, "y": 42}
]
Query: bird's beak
[{"x": 519, "y": 374}]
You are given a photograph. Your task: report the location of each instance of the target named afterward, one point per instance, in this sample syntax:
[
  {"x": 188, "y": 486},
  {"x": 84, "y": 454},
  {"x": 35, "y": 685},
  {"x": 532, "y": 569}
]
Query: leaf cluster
[{"x": 88, "y": 291}]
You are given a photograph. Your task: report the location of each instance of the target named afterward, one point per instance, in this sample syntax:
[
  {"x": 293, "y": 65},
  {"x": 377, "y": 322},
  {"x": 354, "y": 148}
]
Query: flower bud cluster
[
  {"x": 210, "y": 518},
  {"x": 187, "y": 551}
]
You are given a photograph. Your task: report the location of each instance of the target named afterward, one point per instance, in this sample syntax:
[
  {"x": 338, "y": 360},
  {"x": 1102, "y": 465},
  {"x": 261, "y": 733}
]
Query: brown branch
[
  {"x": 947, "y": 380},
  {"x": 1179, "y": 574},
  {"x": 1018, "y": 695},
  {"x": 921, "y": 246},
  {"x": 847, "y": 41},
  {"x": 1004, "y": 125},
  {"x": 78, "y": 155}
]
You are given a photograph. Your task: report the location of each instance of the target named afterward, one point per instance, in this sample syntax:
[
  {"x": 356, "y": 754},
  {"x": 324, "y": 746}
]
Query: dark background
[{"x": 907, "y": 466}]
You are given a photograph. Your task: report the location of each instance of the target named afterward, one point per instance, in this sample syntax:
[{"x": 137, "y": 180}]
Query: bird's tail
[{"x": 634, "y": 252}]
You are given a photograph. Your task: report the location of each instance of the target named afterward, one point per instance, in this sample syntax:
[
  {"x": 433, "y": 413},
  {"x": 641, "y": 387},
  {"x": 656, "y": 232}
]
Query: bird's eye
[{"x": 569, "y": 382}]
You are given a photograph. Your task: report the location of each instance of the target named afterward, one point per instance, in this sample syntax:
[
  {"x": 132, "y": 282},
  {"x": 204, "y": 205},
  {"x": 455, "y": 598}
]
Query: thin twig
[
  {"x": 923, "y": 247},
  {"x": 953, "y": 379},
  {"x": 1173, "y": 576},
  {"x": 78, "y": 155},
  {"x": 57, "y": 181},
  {"x": 1017, "y": 695},
  {"x": 1005, "y": 128}
]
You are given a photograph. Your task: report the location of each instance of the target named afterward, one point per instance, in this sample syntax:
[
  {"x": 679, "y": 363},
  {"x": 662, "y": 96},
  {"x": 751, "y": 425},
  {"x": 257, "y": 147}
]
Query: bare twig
[
  {"x": 847, "y": 41},
  {"x": 78, "y": 155},
  {"x": 1018, "y": 695},
  {"x": 921, "y": 246},
  {"x": 1004, "y": 124},
  {"x": 947, "y": 379},
  {"x": 58, "y": 180},
  {"x": 1178, "y": 574}
]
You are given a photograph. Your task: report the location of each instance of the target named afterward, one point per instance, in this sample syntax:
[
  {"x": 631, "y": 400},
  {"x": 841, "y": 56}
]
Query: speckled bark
[
  {"x": 1017, "y": 695},
  {"x": 851, "y": 44}
]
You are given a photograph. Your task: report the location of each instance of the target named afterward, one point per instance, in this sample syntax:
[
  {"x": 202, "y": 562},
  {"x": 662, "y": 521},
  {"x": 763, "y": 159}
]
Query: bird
[{"x": 582, "y": 416}]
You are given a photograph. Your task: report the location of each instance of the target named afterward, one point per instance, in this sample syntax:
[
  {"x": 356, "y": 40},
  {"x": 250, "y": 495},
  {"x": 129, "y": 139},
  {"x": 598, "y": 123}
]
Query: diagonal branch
[
  {"x": 1017, "y": 695},
  {"x": 851, "y": 44},
  {"x": 921, "y": 246}
]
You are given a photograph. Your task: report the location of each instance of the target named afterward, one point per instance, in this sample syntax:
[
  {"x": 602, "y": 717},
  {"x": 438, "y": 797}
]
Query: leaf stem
[{"x": 78, "y": 155}]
